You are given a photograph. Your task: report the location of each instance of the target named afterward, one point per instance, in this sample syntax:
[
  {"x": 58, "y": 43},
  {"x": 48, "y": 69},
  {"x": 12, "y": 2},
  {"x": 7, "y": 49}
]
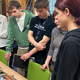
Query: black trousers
[{"x": 14, "y": 51}]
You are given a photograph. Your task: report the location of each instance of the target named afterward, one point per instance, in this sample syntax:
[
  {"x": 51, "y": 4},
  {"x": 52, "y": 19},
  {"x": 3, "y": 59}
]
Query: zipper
[{"x": 22, "y": 38}]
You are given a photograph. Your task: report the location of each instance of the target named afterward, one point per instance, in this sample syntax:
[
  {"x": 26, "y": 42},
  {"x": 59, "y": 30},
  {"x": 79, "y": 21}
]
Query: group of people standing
[
  {"x": 26, "y": 28},
  {"x": 39, "y": 37}
]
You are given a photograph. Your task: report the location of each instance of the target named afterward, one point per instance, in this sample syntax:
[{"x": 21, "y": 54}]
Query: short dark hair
[
  {"x": 41, "y": 4},
  {"x": 12, "y": 4},
  {"x": 72, "y": 5}
]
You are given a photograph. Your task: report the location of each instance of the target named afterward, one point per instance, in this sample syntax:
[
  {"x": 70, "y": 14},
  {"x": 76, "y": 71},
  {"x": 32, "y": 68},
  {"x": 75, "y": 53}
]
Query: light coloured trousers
[{"x": 21, "y": 52}]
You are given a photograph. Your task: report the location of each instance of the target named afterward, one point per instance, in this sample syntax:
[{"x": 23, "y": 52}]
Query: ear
[
  {"x": 19, "y": 8},
  {"x": 48, "y": 8},
  {"x": 66, "y": 11}
]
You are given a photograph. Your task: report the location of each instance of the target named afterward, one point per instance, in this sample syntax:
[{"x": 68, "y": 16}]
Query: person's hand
[
  {"x": 44, "y": 66},
  {"x": 25, "y": 56},
  {"x": 7, "y": 56},
  {"x": 40, "y": 46}
]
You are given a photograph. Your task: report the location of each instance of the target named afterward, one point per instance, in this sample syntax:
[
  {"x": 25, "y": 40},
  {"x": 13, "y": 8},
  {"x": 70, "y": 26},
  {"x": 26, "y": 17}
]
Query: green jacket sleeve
[
  {"x": 32, "y": 15},
  {"x": 29, "y": 16},
  {"x": 10, "y": 38}
]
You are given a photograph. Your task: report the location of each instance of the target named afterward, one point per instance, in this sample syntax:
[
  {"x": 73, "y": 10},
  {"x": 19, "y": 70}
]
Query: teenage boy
[
  {"x": 18, "y": 27},
  {"x": 39, "y": 34}
]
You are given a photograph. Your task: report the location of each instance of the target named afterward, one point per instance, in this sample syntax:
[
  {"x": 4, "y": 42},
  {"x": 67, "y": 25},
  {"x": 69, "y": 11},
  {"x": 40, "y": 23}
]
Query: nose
[
  {"x": 13, "y": 14},
  {"x": 55, "y": 21},
  {"x": 38, "y": 13}
]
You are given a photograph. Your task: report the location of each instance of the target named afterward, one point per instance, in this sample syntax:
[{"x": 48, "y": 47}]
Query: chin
[
  {"x": 40, "y": 17},
  {"x": 58, "y": 26}
]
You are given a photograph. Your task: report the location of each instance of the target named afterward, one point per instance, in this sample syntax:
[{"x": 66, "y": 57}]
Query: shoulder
[
  {"x": 72, "y": 39},
  {"x": 50, "y": 21},
  {"x": 27, "y": 12},
  {"x": 2, "y": 16},
  {"x": 11, "y": 18},
  {"x": 35, "y": 19},
  {"x": 55, "y": 30}
]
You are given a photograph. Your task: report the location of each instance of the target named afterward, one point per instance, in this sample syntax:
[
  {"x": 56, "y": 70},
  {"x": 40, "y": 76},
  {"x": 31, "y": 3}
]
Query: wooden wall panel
[
  {"x": 33, "y": 6},
  {"x": 22, "y": 2},
  {"x": 6, "y": 2},
  {"x": 3, "y": 7}
]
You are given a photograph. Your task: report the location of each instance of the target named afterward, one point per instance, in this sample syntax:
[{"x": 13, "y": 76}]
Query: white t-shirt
[{"x": 20, "y": 22}]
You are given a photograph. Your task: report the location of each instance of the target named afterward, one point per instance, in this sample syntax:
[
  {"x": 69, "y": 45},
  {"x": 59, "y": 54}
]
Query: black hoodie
[{"x": 67, "y": 65}]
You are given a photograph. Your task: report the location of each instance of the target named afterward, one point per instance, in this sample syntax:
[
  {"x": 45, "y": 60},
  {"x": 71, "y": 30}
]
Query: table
[{"x": 10, "y": 71}]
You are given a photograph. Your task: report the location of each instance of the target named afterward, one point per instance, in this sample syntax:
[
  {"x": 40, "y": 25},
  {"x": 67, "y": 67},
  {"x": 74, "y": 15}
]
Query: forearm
[
  {"x": 46, "y": 64},
  {"x": 44, "y": 40},
  {"x": 10, "y": 41},
  {"x": 9, "y": 47},
  {"x": 48, "y": 59},
  {"x": 33, "y": 51},
  {"x": 32, "y": 40}
]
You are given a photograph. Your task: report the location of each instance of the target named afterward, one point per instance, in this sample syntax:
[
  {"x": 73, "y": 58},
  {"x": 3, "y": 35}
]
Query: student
[
  {"x": 18, "y": 27},
  {"x": 3, "y": 32},
  {"x": 67, "y": 66},
  {"x": 14, "y": 46},
  {"x": 40, "y": 32},
  {"x": 58, "y": 34}
]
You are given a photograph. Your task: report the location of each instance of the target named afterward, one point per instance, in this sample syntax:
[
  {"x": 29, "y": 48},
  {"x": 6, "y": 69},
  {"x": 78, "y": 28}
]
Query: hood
[{"x": 73, "y": 35}]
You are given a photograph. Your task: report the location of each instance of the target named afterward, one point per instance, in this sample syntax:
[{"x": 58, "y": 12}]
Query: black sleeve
[
  {"x": 49, "y": 29},
  {"x": 68, "y": 62}
]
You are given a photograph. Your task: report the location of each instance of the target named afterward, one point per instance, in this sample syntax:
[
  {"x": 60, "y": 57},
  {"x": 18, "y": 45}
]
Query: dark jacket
[{"x": 67, "y": 65}]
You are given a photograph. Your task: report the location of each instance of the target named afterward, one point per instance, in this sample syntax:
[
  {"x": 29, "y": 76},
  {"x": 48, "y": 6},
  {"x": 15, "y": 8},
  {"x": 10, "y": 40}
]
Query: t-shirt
[
  {"x": 45, "y": 29},
  {"x": 56, "y": 39},
  {"x": 20, "y": 22}
]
